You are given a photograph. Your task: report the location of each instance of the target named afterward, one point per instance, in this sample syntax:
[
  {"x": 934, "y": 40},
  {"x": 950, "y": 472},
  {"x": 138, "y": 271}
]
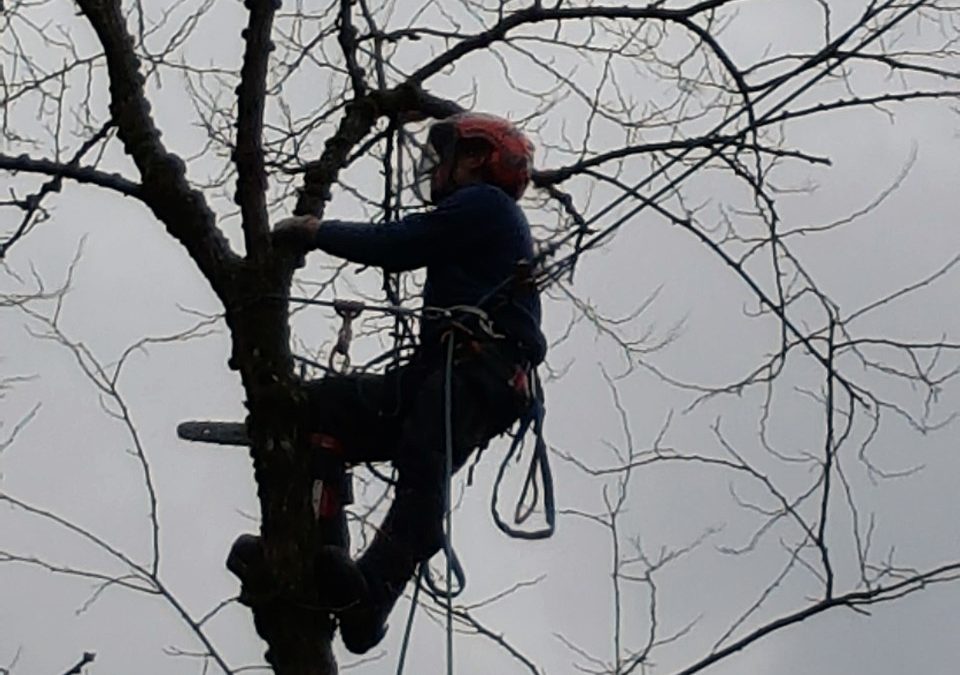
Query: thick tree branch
[
  {"x": 251, "y": 101},
  {"x": 361, "y": 115},
  {"x": 165, "y": 189},
  {"x": 320, "y": 175}
]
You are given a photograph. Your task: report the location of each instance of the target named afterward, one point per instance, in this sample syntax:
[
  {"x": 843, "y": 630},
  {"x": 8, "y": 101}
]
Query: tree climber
[{"x": 472, "y": 243}]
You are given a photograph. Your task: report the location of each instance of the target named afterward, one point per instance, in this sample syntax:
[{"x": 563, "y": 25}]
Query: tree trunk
[{"x": 297, "y": 632}]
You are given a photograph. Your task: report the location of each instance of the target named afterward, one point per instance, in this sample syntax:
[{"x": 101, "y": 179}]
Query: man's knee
[{"x": 417, "y": 513}]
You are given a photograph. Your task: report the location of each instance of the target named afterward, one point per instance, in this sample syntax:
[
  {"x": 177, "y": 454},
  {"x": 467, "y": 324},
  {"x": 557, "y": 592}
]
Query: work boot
[
  {"x": 387, "y": 565},
  {"x": 246, "y": 561},
  {"x": 364, "y": 625}
]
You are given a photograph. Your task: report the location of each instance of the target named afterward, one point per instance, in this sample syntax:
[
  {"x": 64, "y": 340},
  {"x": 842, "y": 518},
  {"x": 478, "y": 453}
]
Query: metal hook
[{"x": 347, "y": 310}]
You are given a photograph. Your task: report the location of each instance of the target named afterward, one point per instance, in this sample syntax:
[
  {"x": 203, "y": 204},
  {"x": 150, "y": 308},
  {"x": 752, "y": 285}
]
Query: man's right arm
[
  {"x": 415, "y": 241},
  {"x": 408, "y": 244}
]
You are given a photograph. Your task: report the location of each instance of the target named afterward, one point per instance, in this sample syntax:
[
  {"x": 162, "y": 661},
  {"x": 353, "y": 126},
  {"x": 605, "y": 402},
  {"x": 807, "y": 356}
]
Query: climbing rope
[
  {"x": 408, "y": 630},
  {"x": 452, "y": 563},
  {"x": 447, "y": 493}
]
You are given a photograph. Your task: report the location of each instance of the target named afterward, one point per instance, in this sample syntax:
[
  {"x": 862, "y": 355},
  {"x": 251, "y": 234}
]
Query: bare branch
[
  {"x": 851, "y": 600},
  {"x": 81, "y": 174},
  {"x": 87, "y": 657}
]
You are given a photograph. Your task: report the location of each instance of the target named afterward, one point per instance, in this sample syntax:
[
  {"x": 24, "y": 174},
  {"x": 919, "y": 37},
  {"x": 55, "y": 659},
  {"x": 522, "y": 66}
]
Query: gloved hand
[{"x": 296, "y": 233}]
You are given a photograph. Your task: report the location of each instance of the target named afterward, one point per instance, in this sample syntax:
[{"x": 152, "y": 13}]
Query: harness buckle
[{"x": 520, "y": 383}]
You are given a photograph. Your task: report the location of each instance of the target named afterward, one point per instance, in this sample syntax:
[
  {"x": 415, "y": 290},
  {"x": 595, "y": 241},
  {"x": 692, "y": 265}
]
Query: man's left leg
[{"x": 484, "y": 405}]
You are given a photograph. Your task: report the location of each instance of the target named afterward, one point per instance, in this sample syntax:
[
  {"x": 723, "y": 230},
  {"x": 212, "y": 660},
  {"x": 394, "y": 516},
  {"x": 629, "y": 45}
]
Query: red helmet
[{"x": 510, "y": 161}]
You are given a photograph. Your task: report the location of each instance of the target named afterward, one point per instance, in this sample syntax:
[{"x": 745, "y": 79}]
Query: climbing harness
[
  {"x": 470, "y": 320},
  {"x": 425, "y": 312}
]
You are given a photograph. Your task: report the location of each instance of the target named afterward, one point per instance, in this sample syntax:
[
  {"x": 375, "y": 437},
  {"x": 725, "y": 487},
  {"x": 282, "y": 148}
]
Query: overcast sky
[{"x": 133, "y": 280}]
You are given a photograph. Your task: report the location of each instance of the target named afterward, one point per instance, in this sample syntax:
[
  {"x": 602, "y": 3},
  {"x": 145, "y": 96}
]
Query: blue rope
[
  {"x": 408, "y": 630},
  {"x": 448, "y": 502},
  {"x": 539, "y": 464},
  {"x": 454, "y": 568}
]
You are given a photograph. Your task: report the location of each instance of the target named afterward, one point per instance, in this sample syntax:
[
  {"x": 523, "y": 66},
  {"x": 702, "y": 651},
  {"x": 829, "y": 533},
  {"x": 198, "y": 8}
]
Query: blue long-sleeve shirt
[{"x": 470, "y": 245}]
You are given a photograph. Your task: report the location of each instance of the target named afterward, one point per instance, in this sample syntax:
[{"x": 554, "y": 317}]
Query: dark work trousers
[{"x": 400, "y": 417}]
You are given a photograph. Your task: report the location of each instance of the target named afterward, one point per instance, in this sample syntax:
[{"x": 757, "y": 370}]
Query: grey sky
[{"x": 133, "y": 279}]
